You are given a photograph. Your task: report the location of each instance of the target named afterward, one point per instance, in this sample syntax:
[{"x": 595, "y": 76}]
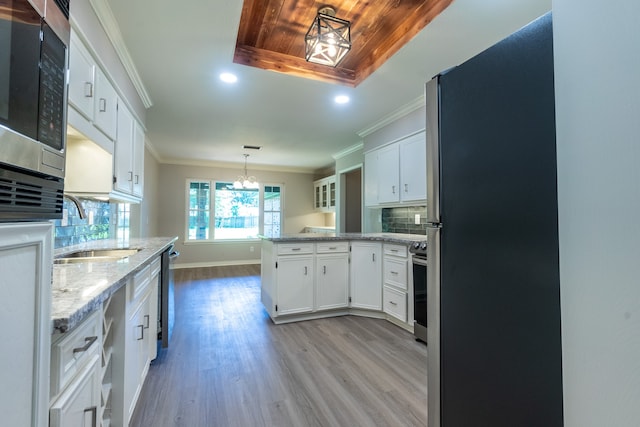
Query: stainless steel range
[{"x": 419, "y": 251}]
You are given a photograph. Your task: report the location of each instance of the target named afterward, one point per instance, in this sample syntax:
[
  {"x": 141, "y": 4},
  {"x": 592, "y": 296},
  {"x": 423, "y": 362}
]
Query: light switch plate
[{"x": 417, "y": 219}]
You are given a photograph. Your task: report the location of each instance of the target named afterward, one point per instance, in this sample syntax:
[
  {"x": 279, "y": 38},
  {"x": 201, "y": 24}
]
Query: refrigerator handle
[{"x": 432, "y": 96}]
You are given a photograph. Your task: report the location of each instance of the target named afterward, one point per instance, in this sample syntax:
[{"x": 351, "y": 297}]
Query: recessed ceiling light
[
  {"x": 228, "y": 78},
  {"x": 341, "y": 99}
]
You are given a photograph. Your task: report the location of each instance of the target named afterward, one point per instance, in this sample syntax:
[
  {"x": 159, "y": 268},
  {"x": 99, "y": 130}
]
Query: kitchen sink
[{"x": 96, "y": 255}]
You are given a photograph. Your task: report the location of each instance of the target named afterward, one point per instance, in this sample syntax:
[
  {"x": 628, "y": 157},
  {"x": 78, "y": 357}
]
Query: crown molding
[
  {"x": 230, "y": 165},
  {"x": 392, "y": 117},
  {"x": 107, "y": 19},
  {"x": 348, "y": 150}
]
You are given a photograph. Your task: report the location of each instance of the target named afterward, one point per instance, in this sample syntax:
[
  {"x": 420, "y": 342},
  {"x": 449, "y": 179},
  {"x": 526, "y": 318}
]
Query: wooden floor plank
[{"x": 229, "y": 365}]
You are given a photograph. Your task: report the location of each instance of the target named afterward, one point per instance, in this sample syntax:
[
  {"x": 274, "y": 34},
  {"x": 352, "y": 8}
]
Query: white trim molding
[
  {"x": 107, "y": 19},
  {"x": 390, "y": 118}
]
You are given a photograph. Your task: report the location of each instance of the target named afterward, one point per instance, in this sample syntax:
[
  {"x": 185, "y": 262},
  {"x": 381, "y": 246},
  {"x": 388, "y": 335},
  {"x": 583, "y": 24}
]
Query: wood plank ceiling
[{"x": 271, "y": 34}]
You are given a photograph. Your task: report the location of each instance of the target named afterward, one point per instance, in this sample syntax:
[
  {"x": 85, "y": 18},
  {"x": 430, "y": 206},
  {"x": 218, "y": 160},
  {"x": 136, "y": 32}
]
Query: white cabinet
[
  {"x": 106, "y": 105},
  {"x": 366, "y": 275},
  {"x": 395, "y": 288},
  {"x": 129, "y": 154},
  {"x": 324, "y": 194},
  {"x": 90, "y": 92},
  {"x": 396, "y": 173},
  {"x": 82, "y": 83},
  {"x": 388, "y": 174},
  {"x": 413, "y": 168},
  {"x": 140, "y": 334},
  {"x": 294, "y": 278},
  {"x": 79, "y": 405},
  {"x": 332, "y": 275},
  {"x": 76, "y": 375},
  {"x": 25, "y": 314}
]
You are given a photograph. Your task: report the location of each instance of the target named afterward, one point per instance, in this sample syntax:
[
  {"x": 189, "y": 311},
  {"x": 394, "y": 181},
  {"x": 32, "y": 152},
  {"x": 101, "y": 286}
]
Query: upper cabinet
[
  {"x": 90, "y": 92},
  {"x": 397, "y": 173},
  {"x": 324, "y": 194},
  {"x": 101, "y": 116}
]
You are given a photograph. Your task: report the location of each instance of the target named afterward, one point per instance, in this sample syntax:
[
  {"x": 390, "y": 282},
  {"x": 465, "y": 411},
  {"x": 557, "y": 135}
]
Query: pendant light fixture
[
  {"x": 245, "y": 181},
  {"x": 328, "y": 39}
]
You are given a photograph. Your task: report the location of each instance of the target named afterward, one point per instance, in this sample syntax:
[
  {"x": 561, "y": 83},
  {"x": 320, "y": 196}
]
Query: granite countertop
[
  {"x": 383, "y": 237},
  {"x": 80, "y": 288}
]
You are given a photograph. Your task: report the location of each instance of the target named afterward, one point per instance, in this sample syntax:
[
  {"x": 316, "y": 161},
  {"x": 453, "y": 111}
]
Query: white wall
[{"x": 597, "y": 62}]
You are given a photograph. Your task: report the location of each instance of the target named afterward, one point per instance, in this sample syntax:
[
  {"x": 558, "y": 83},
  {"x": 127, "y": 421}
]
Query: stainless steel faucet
[{"x": 76, "y": 202}]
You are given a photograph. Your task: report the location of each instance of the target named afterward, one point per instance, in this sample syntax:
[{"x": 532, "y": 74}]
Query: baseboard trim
[{"x": 179, "y": 266}]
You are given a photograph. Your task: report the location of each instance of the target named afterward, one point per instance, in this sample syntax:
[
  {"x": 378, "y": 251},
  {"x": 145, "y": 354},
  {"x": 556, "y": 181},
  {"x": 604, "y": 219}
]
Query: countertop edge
[{"x": 71, "y": 314}]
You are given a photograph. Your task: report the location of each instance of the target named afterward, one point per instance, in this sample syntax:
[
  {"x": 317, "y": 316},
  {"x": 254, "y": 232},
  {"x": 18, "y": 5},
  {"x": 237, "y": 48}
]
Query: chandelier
[
  {"x": 245, "y": 181},
  {"x": 328, "y": 39}
]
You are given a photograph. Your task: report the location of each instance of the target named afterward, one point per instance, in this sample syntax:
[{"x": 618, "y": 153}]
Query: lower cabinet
[
  {"x": 332, "y": 275},
  {"x": 25, "y": 315},
  {"x": 76, "y": 375},
  {"x": 395, "y": 289},
  {"x": 79, "y": 404},
  {"x": 294, "y": 276},
  {"x": 366, "y": 275}
]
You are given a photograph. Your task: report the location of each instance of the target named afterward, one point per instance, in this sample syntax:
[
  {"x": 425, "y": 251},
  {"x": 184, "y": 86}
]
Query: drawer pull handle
[
  {"x": 296, "y": 249},
  {"x": 88, "y": 341},
  {"x": 394, "y": 272},
  {"x": 146, "y": 320},
  {"x": 94, "y": 415},
  {"x": 394, "y": 250},
  {"x": 333, "y": 248},
  {"x": 393, "y": 303}
]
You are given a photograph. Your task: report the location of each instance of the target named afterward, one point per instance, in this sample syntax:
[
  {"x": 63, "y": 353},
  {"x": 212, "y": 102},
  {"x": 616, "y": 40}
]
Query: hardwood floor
[{"x": 229, "y": 365}]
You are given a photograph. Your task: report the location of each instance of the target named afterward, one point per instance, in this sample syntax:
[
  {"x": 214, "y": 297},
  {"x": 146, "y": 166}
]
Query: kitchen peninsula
[
  {"x": 314, "y": 275},
  {"x": 104, "y": 322}
]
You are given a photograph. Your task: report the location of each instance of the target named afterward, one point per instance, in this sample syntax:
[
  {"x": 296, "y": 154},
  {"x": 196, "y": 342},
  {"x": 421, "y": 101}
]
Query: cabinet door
[
  {"x": 371, "y": 178},
  {"x": 317, "y": 195},
  {"x": 294, "y": 278},
  {"x": 332, "y": 281},
  {"x": 413, "y": 168},
  {"x": 79, "y": 406},
  {"x": 81, "y": 78},
  {"x": 388, "y": 174},
  {"x": 138, "y": 159},
  {"x": 25, "y": 314},
  {"x": 123, "y": 160},
  {"x": 136, "y": 354},
  {"x": 366, "y": 275},
  {"x": 332, "y": 194},
  {"x": 106, "y": 105}
]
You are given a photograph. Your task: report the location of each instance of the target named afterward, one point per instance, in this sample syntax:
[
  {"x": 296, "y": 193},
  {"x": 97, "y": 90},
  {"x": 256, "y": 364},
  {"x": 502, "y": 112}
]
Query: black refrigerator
[{"x": 493, "y": 286}]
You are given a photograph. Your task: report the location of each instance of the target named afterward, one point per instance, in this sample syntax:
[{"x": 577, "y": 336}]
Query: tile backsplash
[
  {"x": 71, "y": 230},
  {"x": 402, "y": 220}
]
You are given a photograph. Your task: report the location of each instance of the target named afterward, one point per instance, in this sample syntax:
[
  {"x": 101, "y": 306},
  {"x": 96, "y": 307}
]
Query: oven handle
[{"x": 419, "y": 260}]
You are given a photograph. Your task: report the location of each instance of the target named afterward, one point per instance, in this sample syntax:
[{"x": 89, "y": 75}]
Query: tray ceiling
[{"x": 271, "y": 35}]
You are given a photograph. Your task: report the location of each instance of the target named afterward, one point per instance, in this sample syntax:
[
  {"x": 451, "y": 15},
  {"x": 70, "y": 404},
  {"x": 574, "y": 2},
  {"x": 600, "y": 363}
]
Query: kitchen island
[{"x": 314, "y": 275}]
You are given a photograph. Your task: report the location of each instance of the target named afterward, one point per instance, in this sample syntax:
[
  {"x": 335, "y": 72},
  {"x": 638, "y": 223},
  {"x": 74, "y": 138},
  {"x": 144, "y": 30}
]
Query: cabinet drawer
[
  {"x": 72, "y": 351},
  {"x": 140, "y": 283},
  {"x": 295, "y": 248},
  {"x": 395, "y": 303},
  {"x": 329, "y": 247},
  {"x": 79, "y": 405},
  {"x": 395, "y": 250},
  {"x": 395, "y": 272}
]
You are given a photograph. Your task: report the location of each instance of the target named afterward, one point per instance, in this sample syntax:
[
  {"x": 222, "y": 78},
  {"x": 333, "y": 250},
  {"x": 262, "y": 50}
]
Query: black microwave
[{"x": 34, "y": 40}]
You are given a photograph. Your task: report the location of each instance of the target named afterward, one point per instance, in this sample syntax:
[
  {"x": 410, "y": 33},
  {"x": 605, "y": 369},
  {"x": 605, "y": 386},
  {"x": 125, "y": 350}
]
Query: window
[
  {"x": 237, "y": 212},
  {"x": 217, "y": 211},
  {"x": 272, "y": 210}
]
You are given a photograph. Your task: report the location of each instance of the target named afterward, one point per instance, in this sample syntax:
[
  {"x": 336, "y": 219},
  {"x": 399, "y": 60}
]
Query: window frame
[{"x": 212, "y": 186}]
